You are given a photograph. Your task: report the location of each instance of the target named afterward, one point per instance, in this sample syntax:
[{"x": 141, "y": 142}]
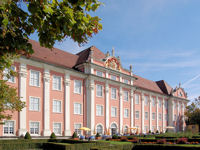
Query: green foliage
[
  {"x": 114, "y": 136},
  {"x": 53, "y": 21},
  {"x": 52, "y": 136},
  {"x": 97, "y": 135},
  {"x": 27, "y": 136},
  {"x": 9, "y": 101},
  {"x": 149, "y": 131},
  {"x": 74, "y": 135}
]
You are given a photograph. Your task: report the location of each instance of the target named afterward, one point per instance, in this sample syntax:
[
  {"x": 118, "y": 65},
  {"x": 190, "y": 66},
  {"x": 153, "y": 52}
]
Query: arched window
[
  {"x": 126, "y": 129},
  {"x": 100, "y": 129},
  {"x": 114, "y": 126},
  {"x": 113, "y": 129}
]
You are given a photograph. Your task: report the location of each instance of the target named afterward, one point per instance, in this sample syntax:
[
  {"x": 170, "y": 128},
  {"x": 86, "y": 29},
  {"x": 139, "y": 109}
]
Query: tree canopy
[{"x": 52, "y": 20}]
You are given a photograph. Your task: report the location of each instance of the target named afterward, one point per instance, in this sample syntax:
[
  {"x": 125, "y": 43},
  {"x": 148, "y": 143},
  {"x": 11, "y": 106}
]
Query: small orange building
[{"x": 64, "y": 92}]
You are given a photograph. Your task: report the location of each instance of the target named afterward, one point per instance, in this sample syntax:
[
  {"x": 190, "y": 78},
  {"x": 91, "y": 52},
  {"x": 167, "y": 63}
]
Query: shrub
[
  {"x": 114, "y": 136},
  {"x": 135, "y": 140},
  {"x": 124, "y": 138},
  {"x": 74, "y": 135},
  {"x": 157, "y": 131},
  {"x": 182, "y": 141},
  {"x": 97, "y": 135},
  {"x": 149, "y": 131},
  {"x": 52, "y": 136},
  {"x": 27, "y": 136},
  {"x": 161, "y": 141}
]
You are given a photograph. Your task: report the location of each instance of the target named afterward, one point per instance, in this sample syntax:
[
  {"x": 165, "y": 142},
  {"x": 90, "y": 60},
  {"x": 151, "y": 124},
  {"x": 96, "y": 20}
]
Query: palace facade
[{"x": 64, "y": 92}]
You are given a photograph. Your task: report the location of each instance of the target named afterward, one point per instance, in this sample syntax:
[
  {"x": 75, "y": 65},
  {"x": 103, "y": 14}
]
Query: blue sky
[{"x": 160, "y": 38}]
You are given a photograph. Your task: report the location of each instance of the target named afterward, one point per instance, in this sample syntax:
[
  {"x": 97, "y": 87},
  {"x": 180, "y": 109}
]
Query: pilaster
[
  {"x": 132, "y": 109},
  {"x": 22, "y": 94},
  {"x": 67, "y": 131},
  {"x": 121, "y": 109},
  {"x": 163, "y": 114},
  {"x": 157, "y": 124},
  {"x": 107, "y": 105},
  {"x": 142, "y": 101},
  {"x": 46, "y": 79},
  {"x": 150, "y": 113}
]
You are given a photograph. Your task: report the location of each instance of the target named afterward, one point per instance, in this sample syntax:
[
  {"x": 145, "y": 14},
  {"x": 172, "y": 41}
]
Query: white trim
[
  {"x": 102, "y": 111},
  {"x": 61, "y": 81},
  {"x": 60, "y": 106},
  {"x": 111, "y": 93},
  {"x": 39, "y": 109},
  {"x": 102, "y": 127},
  {"x": 38, "y": 77},
  {"x": 81, "y": 86},
  {"x": 111, "y": 111},
  {"x": 60, "y": 129},
  {"x": 81, "y": 108},
  {"x": 138, "y": 113},
  {"x": 12, "y": 76},
  {"x": 30, "y": 129},
  {"x": 127, "y": 96},
  {"x": 101, "y": 91},
  {"x": 128, "y": 113},
  {"x": 77, "y": 123},
  {"x": 14, "y": 131}
]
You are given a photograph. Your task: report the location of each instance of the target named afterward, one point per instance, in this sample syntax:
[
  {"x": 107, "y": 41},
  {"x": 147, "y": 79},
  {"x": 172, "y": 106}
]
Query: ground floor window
[
  {"x": 8, "y": 127},
  {"x": 125, "y": 129},
  {"x": 100, "y": 129},
  {"x": 34, "y": 127},
  {"x": 77, "y": 129},
  {"x": 57, "y": 128}
]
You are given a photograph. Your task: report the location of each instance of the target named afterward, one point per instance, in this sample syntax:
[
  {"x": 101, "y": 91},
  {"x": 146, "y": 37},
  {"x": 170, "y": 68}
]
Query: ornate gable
[{"x": 113, "y": 63}]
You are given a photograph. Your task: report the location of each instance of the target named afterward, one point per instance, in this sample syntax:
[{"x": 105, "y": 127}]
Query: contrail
[{"x": 194, "y": 78}]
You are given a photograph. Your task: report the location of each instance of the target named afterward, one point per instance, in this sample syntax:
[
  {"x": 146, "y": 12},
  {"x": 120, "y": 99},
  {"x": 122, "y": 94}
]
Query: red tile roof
[{"x": 68, "y": 60}]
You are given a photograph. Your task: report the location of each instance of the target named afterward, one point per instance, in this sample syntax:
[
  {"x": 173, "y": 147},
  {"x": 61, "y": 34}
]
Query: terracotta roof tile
[{"x": 166, "y": 88}]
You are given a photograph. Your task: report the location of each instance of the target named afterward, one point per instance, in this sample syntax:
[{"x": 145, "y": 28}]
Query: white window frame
[
  {"x": 38, "y": 78},
  {"x": 113, "y": 115},
  {"x": 5, "y": 72},
  {"x": 77, "y": 92},
  {"x": 146, "y": 115},
  {"x": 14, "y": 125},
  {"x": 79, "y": 132},
  {"x": 126, "y": 96},
  {"x": 80, "y": 110},
  {"x": 30, "y": 103},
  {"x": 55, "y": 110},
  {"x": 34, "y": 128},
  {"x": 153, "y": 101},
  {"x": 114, "y": 93},
  {"x": 146, "y": 100},
  {"x": 97, "y": 128},
  {"x": 160, "y": 116},
  {"x": 59, "y": 86},
  {"x": 153, "y": 115},
  {"x": 137, "y": 114},
  {"x": 99, "y": 73},
  {"x": 60, "y": 128},
  {"x": 126, "y": 81},
  {"x": 97, "y": 113},
  {"x": 166, "y": 117},
  {"x": 126, "y": 112},
  {"x": 137, "y": 99},
  {"x": 97, "y": 92},
  {"x": 160, "y": 103},
  {"x": 113, "y": 77}
]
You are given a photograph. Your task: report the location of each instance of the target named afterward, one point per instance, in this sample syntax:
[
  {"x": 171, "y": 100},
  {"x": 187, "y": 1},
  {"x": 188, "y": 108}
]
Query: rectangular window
[
  {"x": 77, "y": 108},
  {"x": 146, "y": 115},
  {"x": 8, "y": 128},
  {"x": 77, "y": 129},
  {"x": 146, "y": 128},
  {"x": 153, "y": 102},
  {"x": 137, "y": 115},
  {"x": 113, "y": 93},
  {"x": 11, "y": 78},
  {"x": 113, "y": 112},
  {"x": 34, "y": 78},
  {"x": 126, "y": 113},
  {"x": 113, "y": 77},
  {"x": 137, "y": 99},
  {"x": 153, "y": 129},
  {"x": 56, "y": 106},
  {"x": 99, "y": 110},
  {"x": 34, "y": 104},
  {"x": 153, "y": 116},
  {"x": 146, "y": 100},
  {"x": 56, "y": 83},
  {"x": 34, "y": 128},
  {"x": 166, "y": 105},
  {"x": 126, "y": 81},
  {"x": 99, "y": 90},
  {"x": 160, "y": 116},
  {"x": 99, "y": 73},
  {"x": 174, "y": 117},
  {"x": 160, "y": 103},
  {"x": 57, "y": 128},
  {"x": 77, "y": 86},
  {"x": 126, "y": 95}
]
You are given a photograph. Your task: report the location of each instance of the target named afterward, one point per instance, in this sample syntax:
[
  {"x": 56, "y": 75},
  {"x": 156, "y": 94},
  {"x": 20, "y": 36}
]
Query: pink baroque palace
[{"x": 64, "y": 92}]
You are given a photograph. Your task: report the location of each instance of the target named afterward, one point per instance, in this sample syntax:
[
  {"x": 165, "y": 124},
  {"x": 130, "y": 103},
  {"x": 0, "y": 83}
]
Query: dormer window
[
  {"x": 99, "y": 73},
  {"x": 113, "y": 77}
]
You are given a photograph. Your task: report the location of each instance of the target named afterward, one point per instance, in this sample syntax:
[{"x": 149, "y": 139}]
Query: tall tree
[{"x": 52, "y": 20}]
